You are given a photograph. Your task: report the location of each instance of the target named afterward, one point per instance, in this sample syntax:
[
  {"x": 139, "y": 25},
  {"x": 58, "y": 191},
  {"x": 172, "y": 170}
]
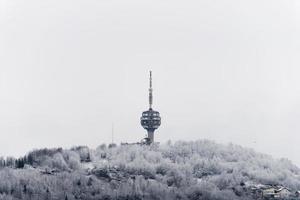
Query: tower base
[{"x": 151, "y": 136}]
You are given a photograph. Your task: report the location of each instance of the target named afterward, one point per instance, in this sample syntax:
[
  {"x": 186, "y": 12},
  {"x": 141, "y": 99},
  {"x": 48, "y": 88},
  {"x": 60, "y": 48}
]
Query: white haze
[{"x": 223, "y": 70}]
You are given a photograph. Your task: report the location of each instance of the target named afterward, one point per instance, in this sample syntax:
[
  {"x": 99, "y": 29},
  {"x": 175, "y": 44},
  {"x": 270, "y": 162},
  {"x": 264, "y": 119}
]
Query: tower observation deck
[{"x": 150, "y": 119}]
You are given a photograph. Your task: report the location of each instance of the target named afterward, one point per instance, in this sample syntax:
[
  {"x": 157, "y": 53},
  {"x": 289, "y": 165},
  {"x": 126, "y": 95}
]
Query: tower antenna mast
[{"x": 150, "y": 92}]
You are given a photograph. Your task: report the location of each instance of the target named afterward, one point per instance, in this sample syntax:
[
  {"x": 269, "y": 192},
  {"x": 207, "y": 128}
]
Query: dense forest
[{"x": 180, "y": 170}]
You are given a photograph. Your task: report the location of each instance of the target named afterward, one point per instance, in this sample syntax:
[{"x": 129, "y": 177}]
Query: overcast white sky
[{"x": 228, "y": 71}]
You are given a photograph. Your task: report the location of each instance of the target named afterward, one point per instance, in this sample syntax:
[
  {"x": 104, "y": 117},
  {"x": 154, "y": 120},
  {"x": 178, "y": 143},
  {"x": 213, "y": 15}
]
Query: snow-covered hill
[{"x": 183, "y": 170}]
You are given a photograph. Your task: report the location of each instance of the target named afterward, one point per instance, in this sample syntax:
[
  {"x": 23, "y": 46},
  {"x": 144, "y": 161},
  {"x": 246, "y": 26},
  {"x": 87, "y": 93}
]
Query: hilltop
[{"x": 182, "y": 170}]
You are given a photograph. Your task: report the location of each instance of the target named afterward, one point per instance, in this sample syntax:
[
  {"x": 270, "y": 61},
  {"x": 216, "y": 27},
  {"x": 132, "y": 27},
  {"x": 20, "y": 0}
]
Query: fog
[{"x": 222, "y": 70}]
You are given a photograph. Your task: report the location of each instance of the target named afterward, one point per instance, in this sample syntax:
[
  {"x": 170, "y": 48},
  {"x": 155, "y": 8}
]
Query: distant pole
[{"x": 112, "y": 133}]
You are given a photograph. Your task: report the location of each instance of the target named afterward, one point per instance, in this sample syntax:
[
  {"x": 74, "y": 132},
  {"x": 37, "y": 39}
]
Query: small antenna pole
[{"x": 112, "y": 133}]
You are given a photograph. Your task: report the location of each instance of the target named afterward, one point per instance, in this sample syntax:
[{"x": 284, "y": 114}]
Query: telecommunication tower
[{"x": 150, "y": 119}]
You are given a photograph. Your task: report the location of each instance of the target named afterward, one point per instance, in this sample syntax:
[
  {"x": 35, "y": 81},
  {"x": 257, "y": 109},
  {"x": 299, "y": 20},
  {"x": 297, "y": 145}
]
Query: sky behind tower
[{"x": 222, "y": 70}]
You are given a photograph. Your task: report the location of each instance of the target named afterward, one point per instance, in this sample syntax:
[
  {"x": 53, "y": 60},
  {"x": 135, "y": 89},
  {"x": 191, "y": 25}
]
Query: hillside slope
[{"x": 183, "y": 170}]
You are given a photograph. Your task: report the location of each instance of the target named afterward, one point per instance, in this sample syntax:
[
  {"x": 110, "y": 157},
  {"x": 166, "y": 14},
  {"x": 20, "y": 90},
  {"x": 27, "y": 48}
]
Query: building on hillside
[
  {"x": 269, "y": 192},
  {"x": 276, "y": 193}
]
